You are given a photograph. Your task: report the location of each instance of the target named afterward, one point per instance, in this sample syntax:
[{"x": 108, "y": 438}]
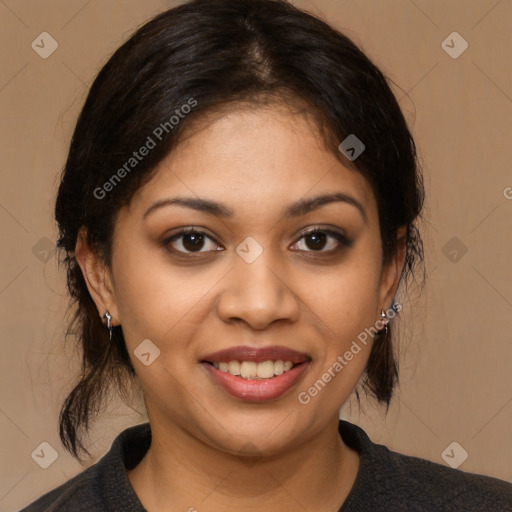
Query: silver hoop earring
[{"x": 108, "y": 317}]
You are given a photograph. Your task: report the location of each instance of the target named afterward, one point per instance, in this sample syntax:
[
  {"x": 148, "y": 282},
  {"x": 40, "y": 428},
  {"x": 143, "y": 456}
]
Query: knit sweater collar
[{"x": 130, "y": 446}]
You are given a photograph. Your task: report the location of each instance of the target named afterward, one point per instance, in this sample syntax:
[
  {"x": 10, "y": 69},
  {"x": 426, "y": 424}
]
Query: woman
[{"x": 237, "y": 211}]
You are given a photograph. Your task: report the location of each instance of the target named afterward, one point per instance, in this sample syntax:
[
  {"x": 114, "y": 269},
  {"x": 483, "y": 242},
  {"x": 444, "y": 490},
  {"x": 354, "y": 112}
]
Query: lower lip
[{"x": 257, "y": 390}]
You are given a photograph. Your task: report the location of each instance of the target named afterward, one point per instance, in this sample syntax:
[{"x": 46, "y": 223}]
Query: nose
[{"x": 257, "y": 294}]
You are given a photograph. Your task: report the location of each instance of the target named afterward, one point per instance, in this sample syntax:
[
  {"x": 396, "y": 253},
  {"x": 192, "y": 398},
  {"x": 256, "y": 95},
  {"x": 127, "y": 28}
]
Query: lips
[
  {"x": 257, "y": 354},
  {"x": 254, "y": 389}
]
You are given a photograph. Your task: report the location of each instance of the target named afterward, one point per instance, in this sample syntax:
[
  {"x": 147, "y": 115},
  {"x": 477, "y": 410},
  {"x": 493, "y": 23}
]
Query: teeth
[
  {"x": 248, "y": 370},
  {"x": 234, "y": 367},
  {"x": 265, "y": 370},
  {"x": 252, "y": 370}
]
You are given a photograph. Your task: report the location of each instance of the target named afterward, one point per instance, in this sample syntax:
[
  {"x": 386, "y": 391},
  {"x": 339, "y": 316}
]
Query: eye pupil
[
  {"x": 196, "y": 241},
  {"x": 318, "y": 240}
]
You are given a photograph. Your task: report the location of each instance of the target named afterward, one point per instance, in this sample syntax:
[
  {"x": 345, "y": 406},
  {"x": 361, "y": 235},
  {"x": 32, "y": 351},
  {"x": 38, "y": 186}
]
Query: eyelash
[{"x": 342, "y": 240}]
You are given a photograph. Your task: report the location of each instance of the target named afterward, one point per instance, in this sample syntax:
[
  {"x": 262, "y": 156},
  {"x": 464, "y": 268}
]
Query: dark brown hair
[{"x": 218, "y": 53}]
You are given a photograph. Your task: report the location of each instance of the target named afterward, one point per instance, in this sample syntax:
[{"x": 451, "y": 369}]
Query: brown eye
[
  {"x": 193, "y": 241},
  {"x": 317, "y": 239},
  {"x": 190, "y": 241}
]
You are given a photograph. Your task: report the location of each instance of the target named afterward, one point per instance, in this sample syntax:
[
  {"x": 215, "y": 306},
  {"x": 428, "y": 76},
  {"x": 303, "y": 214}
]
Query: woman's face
[{"x": 251, "y": 278}]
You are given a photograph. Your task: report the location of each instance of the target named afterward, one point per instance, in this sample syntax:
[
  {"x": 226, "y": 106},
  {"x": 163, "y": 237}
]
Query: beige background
[{"x": 455, "y": 339}]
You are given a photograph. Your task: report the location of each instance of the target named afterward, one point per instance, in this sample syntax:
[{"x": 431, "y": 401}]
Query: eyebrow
[{"x": 296, "y": 209}]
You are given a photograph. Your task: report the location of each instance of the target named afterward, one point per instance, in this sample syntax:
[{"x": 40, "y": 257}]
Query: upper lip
[{"x": 257, "y": 354}]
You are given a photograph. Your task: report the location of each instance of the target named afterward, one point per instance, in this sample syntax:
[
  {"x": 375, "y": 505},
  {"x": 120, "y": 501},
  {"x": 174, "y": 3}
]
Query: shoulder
[
  {"x": 104, "y": 485},
  {"x": 403, "y": 482},
  {"x": 447, "y": 488},
  {"x": 79, "y": 494}
]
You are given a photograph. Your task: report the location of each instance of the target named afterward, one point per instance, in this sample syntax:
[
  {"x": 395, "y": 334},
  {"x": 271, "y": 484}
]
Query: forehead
[{"x": 250, "y": 158}]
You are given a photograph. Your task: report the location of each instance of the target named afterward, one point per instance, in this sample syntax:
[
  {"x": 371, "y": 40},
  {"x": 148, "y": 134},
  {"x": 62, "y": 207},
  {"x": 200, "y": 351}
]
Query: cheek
[
  {"x": 346, "y": 316},
  {"x": 158, "y": 301},
  {"x": 347, "y": 297},
  {"x": 145, "y": 293},
  {"x": 346, "y": 302}
]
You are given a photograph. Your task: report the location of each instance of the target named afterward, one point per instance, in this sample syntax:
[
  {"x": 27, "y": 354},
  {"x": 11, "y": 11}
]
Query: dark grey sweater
[{"x": 386, "y": 482}]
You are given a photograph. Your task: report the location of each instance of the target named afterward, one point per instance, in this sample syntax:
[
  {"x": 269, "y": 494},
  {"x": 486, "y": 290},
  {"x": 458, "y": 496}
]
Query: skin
[{"x": 315, "y": 300}]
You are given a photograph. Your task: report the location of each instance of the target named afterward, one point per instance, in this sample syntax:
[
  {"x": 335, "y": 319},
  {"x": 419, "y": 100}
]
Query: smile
[
  {"x": 252, "y": 370},
  {"x": 257, "y": 389},
  {"x": 256, "y": 374}
]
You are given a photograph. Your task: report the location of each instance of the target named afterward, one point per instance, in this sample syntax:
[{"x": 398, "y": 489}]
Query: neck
[{"x": 180, "y": 472}]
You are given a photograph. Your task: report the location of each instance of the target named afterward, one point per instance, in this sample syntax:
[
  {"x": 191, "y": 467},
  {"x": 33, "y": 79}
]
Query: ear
[
  {"x": 97, "y": 277},
  {"x": 392, "y": 270}
]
